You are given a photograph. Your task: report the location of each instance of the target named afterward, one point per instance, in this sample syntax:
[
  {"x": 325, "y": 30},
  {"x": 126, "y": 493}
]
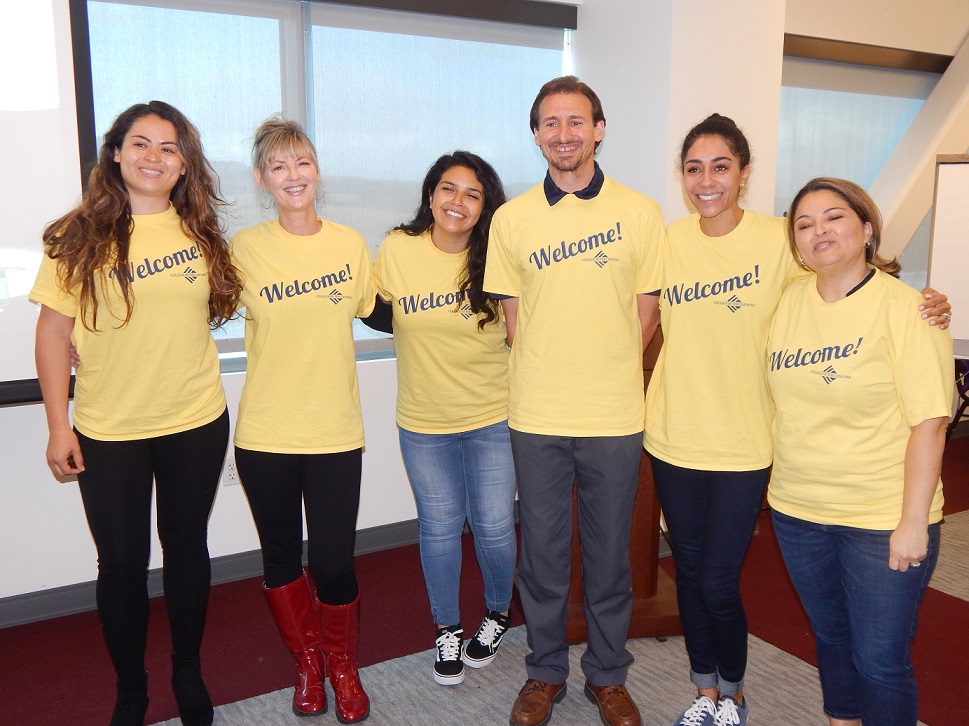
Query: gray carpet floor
[{"x": 782, "y": 690}]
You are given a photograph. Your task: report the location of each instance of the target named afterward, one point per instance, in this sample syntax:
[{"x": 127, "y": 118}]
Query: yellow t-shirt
[
  {"x": 708, "y": 406},
  {"x": 159, "y": 374},
  {"x": 301, "y": 295},
  {"x": 849, "y": 379},
  {"x": 576, "y": 364},
  {"x": 451, "y": 376}
]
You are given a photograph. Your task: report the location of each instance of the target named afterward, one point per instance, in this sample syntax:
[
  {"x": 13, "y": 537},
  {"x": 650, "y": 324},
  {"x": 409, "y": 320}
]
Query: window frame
[
  {"x": 526, "y": 12},
  {"x": 537, "y": 13}
]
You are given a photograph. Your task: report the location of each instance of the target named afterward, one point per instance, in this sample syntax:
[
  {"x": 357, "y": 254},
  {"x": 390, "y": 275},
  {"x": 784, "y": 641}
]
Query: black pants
[
  {"x": 116, "y": 488},
  {"x": 279, "y": 487}
]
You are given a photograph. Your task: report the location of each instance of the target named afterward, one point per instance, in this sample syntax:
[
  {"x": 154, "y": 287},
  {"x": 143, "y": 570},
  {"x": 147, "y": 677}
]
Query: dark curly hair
[
  {"x": 472, "y": 280},
  {"x": 96, "y": 235}
]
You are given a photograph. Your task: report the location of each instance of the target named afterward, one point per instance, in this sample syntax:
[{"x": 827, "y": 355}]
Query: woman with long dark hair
[
  {"x": 299, "y": 438},
  {"x": 452, "y": 395},
  {"x": 134, "y": 277}
]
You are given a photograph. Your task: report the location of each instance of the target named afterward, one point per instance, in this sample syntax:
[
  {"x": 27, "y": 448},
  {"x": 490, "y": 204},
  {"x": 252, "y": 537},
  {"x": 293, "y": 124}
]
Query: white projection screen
[{"x": 949, "y": 248}]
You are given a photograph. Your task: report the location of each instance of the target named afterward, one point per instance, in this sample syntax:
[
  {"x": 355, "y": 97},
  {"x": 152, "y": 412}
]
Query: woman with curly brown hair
[
  {"x": 452, "y": 400},
  {"x": 134, "y": 277}
]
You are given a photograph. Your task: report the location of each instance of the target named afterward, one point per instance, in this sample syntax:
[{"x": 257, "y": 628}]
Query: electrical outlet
[{"x": 230, "y": 474}]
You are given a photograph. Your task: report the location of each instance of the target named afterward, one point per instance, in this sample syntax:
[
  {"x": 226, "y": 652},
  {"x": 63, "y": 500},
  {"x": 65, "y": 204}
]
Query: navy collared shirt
[{"x": 554, "y": 195}]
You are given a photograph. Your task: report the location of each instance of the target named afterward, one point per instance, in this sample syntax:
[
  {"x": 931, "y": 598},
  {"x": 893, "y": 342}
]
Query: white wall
[
  {"x": 44, "y": 540},
  {"x": 667, "y": 65},
  {"x": 659, "y": 66},
  {"x": 929, "y": 26}
]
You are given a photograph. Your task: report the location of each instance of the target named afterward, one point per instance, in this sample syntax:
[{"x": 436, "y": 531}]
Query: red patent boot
[
  {"x": 339, "y": 635},
  {"x": 292, "y": 607}
]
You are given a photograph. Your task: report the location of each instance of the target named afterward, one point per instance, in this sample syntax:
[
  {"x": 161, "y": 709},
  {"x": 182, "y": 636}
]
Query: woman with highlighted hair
[
  {"x": 299, "y": 438},
  {"x": 134, "y": 277},
  {"x": 861, "y": 412}
]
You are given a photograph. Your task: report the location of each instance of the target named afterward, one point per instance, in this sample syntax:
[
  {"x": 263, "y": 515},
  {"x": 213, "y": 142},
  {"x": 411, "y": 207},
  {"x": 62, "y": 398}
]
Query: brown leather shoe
[
  {"x": 616, "y": 707},
  {"x": 533, "y": 707}
]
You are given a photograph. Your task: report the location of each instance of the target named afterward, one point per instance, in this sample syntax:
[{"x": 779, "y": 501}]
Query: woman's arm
[
  {"x": 509, "y": 306},
  {"x": 923, "y": 463},
  {"x": 936, "y": 308},
  {"x": 382, "y": 317},
  {"x": 648, "y": 306},
  {"x": 53, "y": 358}
]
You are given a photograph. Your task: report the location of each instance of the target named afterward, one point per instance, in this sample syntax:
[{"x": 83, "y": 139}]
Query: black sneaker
[
  {"x": 448, "y": 668},
  {"x": 483, "y": 647}
]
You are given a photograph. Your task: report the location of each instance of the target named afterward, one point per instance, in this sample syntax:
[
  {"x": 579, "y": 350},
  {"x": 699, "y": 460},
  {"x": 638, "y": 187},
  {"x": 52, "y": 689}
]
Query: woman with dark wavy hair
[
  {"x": 133, "y": 278},
  {"x": 452, "y": 396}
]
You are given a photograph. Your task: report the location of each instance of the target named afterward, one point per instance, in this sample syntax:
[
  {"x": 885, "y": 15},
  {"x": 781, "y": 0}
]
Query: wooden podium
[{"x": 654, "y": 592}]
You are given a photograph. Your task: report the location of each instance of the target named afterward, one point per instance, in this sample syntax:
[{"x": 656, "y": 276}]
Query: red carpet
[
  {"x": 57, "y": 672},
  {"x": 242, "y": 654},
  {"x": 775, "y": 614}
]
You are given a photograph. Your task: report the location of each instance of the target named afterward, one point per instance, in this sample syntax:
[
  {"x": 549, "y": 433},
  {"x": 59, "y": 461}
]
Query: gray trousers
[{"x": 605, "y": 470}]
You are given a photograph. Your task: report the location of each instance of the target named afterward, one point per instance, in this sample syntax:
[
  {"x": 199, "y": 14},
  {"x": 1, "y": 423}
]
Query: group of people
[{"x": 519, "y": 328}]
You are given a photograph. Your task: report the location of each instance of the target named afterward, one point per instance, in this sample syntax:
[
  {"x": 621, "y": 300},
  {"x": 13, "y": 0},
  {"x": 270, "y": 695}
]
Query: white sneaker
[
  {"x": 701, "y": 713},
  {"x": 448, "y": 668},
  {"x": 730, "y": 713}
]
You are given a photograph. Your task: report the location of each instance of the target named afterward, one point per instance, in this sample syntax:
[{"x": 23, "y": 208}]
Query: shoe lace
[
  {"x": 489, "y": 631},
  {"x": 448, "y": 646},
  {"x": 727, "y": 713},
  {"x": 532, "y": 685},
  {"x": 697, "y": 714}
]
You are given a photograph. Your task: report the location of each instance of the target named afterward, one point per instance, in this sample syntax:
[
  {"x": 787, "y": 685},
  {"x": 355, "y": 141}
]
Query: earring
[{"x": 266, "y": 201}]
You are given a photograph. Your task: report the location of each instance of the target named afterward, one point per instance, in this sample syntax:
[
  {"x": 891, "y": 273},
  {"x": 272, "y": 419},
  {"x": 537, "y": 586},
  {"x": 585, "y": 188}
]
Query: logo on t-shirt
[
  {"x": 733, "y": 303},
  {"x": 829, "y": 375}
]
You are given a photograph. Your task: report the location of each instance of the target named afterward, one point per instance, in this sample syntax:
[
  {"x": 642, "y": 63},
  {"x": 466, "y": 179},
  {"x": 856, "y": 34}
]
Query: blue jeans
[
  {"x": 711, "y": 517},
  {"x": 467, "y": 476},
  {"x": 864, "y": 616}
]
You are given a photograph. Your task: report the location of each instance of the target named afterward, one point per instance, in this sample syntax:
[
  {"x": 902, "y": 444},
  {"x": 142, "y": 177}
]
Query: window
[
  {"x": 845, "y": 120},
  {"x": 382, "y": 93}
]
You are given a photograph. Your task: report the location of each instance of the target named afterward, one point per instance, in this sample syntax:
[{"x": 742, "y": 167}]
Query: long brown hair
[{"x": 95, "y": 236}]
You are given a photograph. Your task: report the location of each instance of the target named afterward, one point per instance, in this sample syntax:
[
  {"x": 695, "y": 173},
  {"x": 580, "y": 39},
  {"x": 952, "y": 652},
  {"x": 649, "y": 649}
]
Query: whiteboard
[{"x": 949, "y": 246}]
